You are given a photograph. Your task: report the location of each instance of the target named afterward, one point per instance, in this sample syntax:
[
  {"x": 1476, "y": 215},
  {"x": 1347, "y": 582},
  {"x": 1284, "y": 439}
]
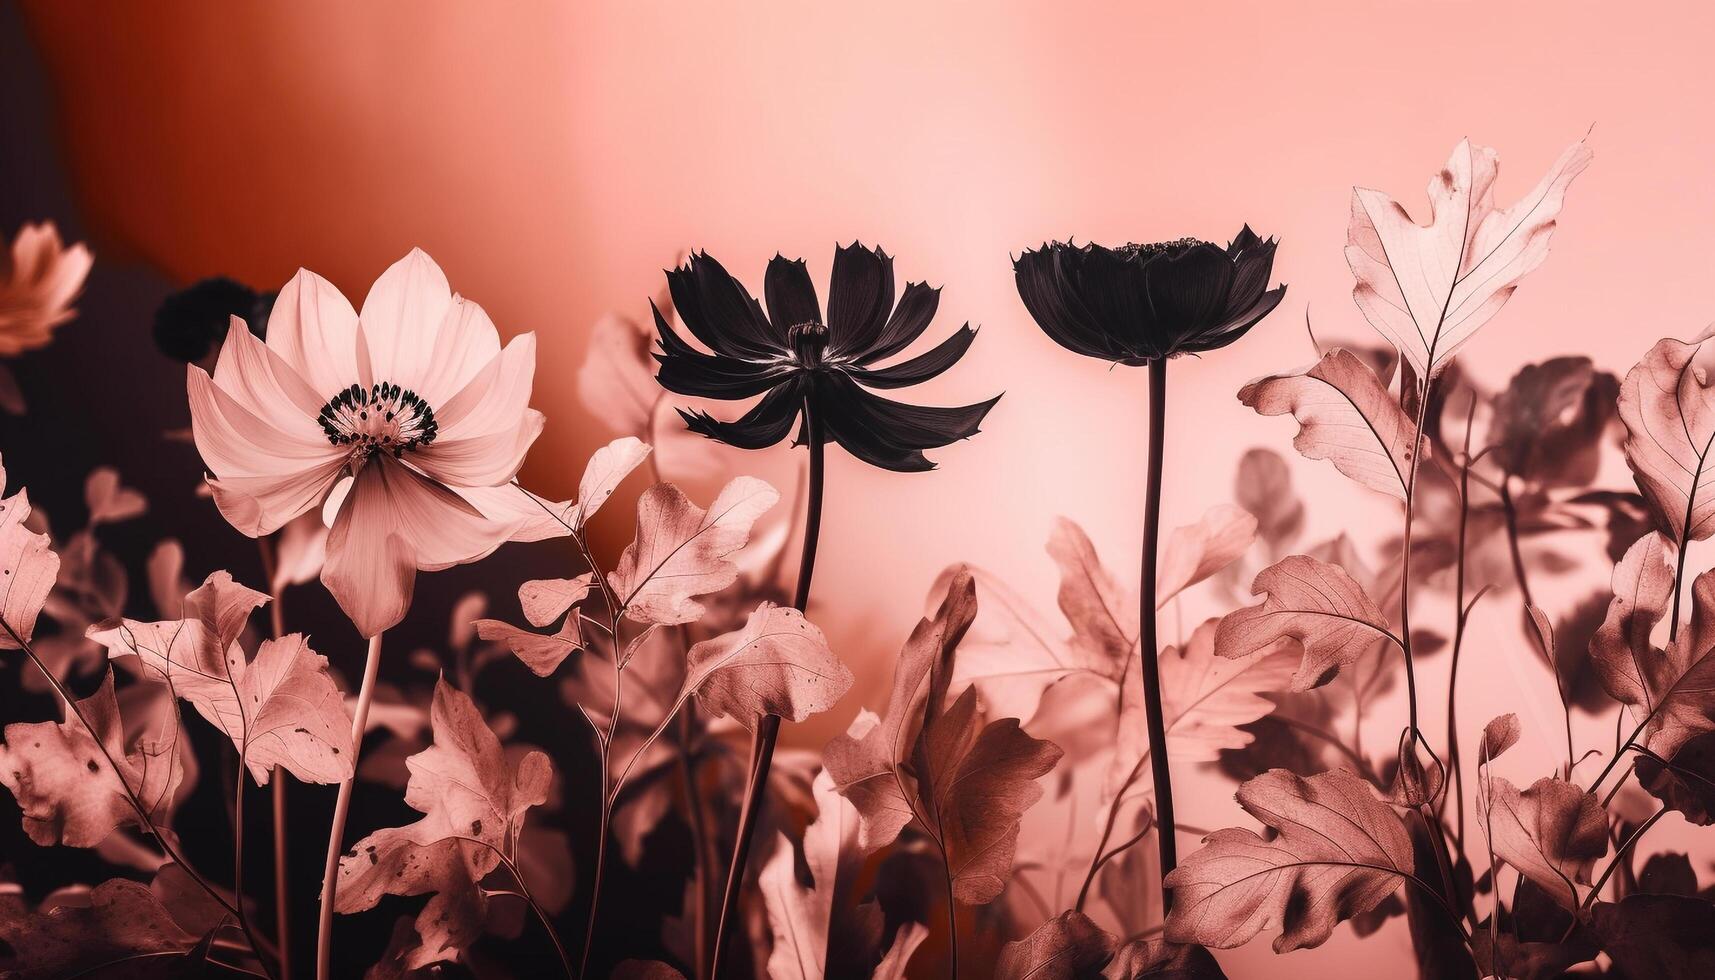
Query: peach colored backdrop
[{"x": 554, "y": 158}]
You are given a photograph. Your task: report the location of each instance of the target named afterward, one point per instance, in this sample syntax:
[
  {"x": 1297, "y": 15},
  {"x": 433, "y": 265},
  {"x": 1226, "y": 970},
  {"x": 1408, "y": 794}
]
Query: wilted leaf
[
  {"x": 1313, "y": 603},
  {"x": 474, "y": 804},
  {"x": 1339, "y": 852},
  {"x": 1552, "y": 833},
  {"x": 68, "y": 790},
  {"x": 968, "y": 786},
  {"x": 1667, "y": 403},
  {"x": 777, "y": 664},
  {"x": 547, "y": 599},
  {"x": 682, "y": 551},
  {"x": 28, "y": 567},
  {"x": 115, "y": 933},
  {"x": 1658, "y": 936},
  {"x": 1345, "y": 416},
  {"x": 280, "y": 708},
  {"x": 1066, "y": 947},
  {"x": 1429, "y": 288}
]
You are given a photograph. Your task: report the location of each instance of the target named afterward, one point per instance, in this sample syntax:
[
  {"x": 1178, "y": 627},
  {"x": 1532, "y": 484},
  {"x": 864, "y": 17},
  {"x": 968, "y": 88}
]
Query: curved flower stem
[
  {"x": 342, "y": 808},
  {"x": 1148, "y": 649},
  {"x": 1620, "y": 855},
  {"x": 524, "y": 893},
  {"x": 769, "y": 729},
  {"x": 282, "y": 892}
]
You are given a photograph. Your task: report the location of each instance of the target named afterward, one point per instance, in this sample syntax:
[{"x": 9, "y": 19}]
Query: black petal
[
  {"x": 767, "y": 422},
  {"x": 720, "y": 312},
  {"x": 910, "y": 318},
  {"x": 1245, "y": 239},
  {"x": 689, "y": 371},
  {"x": 1114, "y": 287},
  {"x": 1054, "y": 305},
  {"x": 1232, "y": 329},
  {"x": 1251, "y": 269},
  {"x": 1188, "y": 292},
  {"x": 860, "y": 296},
  {"x": 890, "y": 434},
  {"x": 790, "y": 293},
  {"x": 921, "y": 368}
]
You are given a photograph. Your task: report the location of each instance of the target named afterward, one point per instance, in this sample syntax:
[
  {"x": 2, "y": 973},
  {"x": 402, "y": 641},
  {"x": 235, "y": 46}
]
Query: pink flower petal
[
  {"x": 265, "y": 384},
  {"x": 466, "y": 343},
  {"x": 402, "y": 316},
  {"x": 481, "y": 460},
  {"x": 233, "y": 441},
  {"x": 258, "y": 505},
  {"x": 496, "y": 398},
  {"x": 314, "y": 329}
]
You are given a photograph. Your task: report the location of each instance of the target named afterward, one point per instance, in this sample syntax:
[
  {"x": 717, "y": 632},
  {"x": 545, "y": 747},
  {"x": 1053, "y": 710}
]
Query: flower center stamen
[
  {"x": 382, "y": 418},
  {"x": 1171, "y": 249},
  {"x": 809, "y": 341}
]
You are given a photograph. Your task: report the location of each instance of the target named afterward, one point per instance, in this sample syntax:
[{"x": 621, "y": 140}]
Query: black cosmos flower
[
  {"x": 1138, "y": 303},
  {"x": 795, "y": 357},
  {"x": 191, "y": 323}
]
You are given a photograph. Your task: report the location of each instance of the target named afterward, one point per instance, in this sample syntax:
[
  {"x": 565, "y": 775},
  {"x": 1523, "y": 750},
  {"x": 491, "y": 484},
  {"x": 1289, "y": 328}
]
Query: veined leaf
[
  {"x": 1667, "y": 403},
  {"x": 1338, "y": 852},
  {"x": 1552, "y": 833},
  {"x": 777, "y": 664},
  {"x": 1429, "y": 288},
  {"x": 682, "y": 551},
  {"x": 29, "y": 568},
  {"x": 1314, "y": 604}
]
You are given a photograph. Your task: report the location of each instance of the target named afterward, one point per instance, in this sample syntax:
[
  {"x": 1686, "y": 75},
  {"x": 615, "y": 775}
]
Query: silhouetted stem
[
  {"x": 1620, "y": 854},
  {"x": 1461, "y": 613},
  {"x": 1148, "y": 649},
  {"x": 768, "y": 730},
  {"x": 342, "y": 808}
]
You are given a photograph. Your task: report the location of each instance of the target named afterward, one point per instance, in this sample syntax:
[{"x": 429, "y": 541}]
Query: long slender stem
[
  {"x": 1405, "y": 556},
  {"x": 607, "y": 797},
  {"x": 1620, "y": 854},
  {"x": 952, "y": 921},
  {"x": 238, "y": 859},
  {"x": 342, "y": 808},
  {"x": 769, "y": 729},
  {"x": 282, "y": 883},
  {"x": 703, "y": 864},
  {"x": 1148, "y": 649},
  {"x": 1461, "y": 614}
]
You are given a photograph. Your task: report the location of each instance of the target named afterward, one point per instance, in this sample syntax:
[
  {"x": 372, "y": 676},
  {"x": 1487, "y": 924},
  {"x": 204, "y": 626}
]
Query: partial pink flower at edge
[
  {"x": 37, "y": 287},
  {"x": 413, "y": 400}
]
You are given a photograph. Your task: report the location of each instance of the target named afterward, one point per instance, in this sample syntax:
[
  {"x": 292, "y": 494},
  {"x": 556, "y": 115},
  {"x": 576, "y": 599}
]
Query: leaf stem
[
  {"x": 768, "y": 730},
  {"x": 1148, "y": 648},
  {"x": 1462, "y": 614},
  {"x": 524, "y": 893},
  {"x": 342, "y": 809},
  {"x": 1619, "y": 856}
]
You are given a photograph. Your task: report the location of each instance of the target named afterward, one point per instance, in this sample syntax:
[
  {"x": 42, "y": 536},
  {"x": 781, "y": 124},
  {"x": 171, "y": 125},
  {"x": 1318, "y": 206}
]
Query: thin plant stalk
[
  {"x": 282, "y": 883},
  {"x": 1510, "y": 510},
  {"x": 342, "y": 809},
  {"x": 1462, "y": 614},
  {"x": 523, "y": 892},
  {"x": 768, "y": 730},
  {"x": 1148, "y": 650}
]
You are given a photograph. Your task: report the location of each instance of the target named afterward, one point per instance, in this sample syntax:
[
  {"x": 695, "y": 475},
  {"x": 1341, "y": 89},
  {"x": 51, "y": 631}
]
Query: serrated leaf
[
  {"x": 778, "y": 663},
  {"x": 1338, "y": 852},
  {"x": 1067, "y": 947},
  {"x": 542, "y": 653},
  {"x": 123, "y": 930},
  {"x": 474, "y": 802},
  {"x": 682, "y": 551},
  {"x": 967, "y": 786},
  {"x": 1316, "y": 606},
  {"x": 1345, "y": 416},
  {"x": 1429, "y": 288},
  {"x": 1552, "y": 832}
]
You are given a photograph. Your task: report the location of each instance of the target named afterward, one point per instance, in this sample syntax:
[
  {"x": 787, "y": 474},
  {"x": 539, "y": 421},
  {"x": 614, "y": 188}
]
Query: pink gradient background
[{"x": 554, "y": 160}]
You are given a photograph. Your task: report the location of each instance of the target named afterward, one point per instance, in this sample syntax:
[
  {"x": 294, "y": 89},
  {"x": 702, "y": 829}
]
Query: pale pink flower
[
  {"x": 411, "y": 410},
  {"x": 37, "y": 287}
]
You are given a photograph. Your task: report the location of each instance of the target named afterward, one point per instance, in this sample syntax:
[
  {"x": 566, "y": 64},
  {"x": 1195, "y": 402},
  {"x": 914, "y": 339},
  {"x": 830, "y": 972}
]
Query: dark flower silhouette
[
  {"x": 191, "y": 323},
  {"x": 1137, "y": 303},
  {"x": 798, "y": 359}
]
